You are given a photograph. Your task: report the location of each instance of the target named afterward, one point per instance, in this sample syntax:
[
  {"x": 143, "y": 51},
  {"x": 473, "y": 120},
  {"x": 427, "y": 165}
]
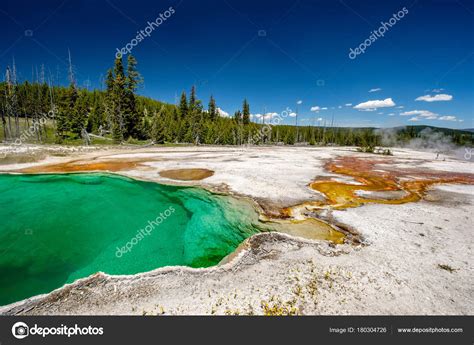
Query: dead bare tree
[{"x": 15, "y": 100}]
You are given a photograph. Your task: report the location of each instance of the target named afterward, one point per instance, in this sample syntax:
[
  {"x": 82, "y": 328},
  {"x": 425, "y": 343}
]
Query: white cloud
[
  {"x": 267, "y": 116},
  {"x": 340, "y": 106},
  {"x": 315, "y": 108},
  {"x": 435, "y": 98},
  {"x": 380, "y": 113},
  {"x": 348, "y": 104},
  {"x": 324, "y": 108},
  {"x": 400, "y": 107},
  {"x": 222, "y": 112},
  {"x": 299, "y": 102},
  {"x": 375, "y": 89},
  {"x": 448, "y": 118},
  {"x": 292, "y": 114},
  {"x": 437, "y": 90},
  {"x": 319, "y": 119},
  {"x": 374, "y": 104},
  {"x": 428, "y": 115},
  {"x": 391, "y": 114}
]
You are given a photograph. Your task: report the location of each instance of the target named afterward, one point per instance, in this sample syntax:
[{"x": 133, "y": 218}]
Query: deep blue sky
[{"x": 302, "y": 54}]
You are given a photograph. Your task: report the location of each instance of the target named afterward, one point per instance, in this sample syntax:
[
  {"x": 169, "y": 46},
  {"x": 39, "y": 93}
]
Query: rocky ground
[{"x": 415, "y": 258}]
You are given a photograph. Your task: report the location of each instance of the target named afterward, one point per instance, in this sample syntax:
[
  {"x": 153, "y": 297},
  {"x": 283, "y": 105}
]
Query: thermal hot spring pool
[{"x": 55, "y": 229}]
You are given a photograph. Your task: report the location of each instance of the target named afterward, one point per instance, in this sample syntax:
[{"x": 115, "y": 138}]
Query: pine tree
[
  {"x": 109, "y": 103},
  {"x": 158, "y": 127},
  {"x": 67, "y": 114},
  {"x": 238, "y": 116},
  {"x": 195, "y": 117},
  {"x": 67, "y": 111},
  {"x": 192, "y": 99},
  {"x": 183, "y": 106},
  {"x": 131, "y": 116},
  {"x": 118, "y": 127},
  {"x": 97, "y": 115},
  {"x": 246, "y": 113},
  {"x": 79, "y": 115},
  {"x": 212, "y": 109}
]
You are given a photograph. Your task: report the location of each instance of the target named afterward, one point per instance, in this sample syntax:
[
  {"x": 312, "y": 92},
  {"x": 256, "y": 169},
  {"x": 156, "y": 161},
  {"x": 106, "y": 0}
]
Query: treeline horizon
[{"x": 62, "y": 114}]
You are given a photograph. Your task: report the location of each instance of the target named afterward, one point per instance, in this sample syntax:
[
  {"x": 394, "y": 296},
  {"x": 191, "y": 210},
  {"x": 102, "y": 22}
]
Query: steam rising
[{"x": 428, "y": 140}]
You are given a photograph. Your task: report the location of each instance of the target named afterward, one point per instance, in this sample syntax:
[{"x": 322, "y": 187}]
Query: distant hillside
[
  {"x": 427, "y": 136},
  {"x": 446, "y": 131},
  {"x": 39, "y": 113}
]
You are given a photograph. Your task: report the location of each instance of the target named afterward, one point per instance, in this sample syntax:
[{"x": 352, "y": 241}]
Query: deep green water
[{"x": 55, "y": 229}]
